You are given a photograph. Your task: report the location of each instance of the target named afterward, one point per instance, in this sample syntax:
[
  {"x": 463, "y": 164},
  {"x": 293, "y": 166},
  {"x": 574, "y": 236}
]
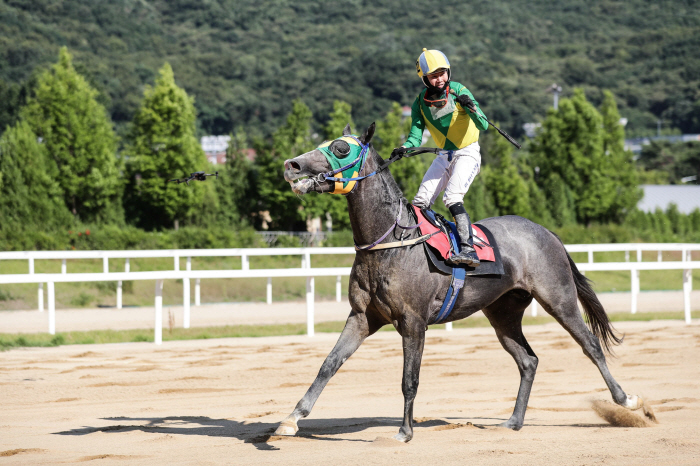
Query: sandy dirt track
[{"x": 216, "y": 401}]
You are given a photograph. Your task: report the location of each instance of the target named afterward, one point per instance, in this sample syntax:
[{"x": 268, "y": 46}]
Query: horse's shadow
[
  {"x": 259, "y": 433},
  {"x": 255, "y": 433}
]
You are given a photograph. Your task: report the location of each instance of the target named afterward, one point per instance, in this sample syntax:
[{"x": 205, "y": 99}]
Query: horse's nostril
[{"x": 294, "y": 165}]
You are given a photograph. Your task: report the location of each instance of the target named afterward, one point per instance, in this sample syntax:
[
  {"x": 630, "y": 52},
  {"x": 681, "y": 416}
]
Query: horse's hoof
[
  {"x": 511, "y": 425},
  {"x": 633, "y": 402},
  {"x": 287, "y": 427},
  {"x": 401, "y": 437}
]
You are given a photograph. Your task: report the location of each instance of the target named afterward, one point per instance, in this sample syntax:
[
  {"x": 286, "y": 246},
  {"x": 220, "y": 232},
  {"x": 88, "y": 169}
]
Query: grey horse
[{"x": 396, "y": 286}]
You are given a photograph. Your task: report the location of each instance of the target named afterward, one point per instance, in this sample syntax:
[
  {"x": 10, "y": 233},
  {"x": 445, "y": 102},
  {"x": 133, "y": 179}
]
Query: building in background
[
  {"x": 686, "y": 197},
  {"x": 215, "y": 149}
]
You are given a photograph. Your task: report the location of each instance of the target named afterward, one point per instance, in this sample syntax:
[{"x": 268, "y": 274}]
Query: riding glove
[
  {"x": 466, "y": 102},
  {"x": 399, "y": 152}
]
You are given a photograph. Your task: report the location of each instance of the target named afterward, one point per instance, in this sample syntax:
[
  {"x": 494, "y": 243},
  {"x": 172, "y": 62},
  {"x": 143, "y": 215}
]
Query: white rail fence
[{"x": 686, "y": 264}]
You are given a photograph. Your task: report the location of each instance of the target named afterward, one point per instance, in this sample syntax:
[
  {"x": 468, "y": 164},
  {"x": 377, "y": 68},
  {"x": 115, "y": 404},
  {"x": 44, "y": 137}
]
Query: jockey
[{"x": 454, "y": 123}]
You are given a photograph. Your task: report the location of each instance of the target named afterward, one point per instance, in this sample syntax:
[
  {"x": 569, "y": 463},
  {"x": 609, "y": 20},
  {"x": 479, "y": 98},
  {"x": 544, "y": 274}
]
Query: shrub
[
  {"x": 339, "y": 239},
  {"x": 82, "y": 300},
  {"x": 287, "y": 241},
  {"x": 5, "y": 295}
]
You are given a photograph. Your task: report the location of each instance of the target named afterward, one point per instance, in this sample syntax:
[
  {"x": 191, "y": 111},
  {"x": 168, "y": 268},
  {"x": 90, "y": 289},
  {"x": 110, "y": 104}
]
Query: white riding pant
[{"x": 453, "y": 177}]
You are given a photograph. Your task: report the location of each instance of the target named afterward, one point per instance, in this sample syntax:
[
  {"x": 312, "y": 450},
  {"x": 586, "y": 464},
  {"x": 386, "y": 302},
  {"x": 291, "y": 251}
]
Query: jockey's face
[{"x": 438, "y": 79}]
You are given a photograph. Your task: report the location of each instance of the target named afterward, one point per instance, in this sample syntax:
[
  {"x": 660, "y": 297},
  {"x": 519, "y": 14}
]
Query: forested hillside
[{"x": 245, "y": 61}]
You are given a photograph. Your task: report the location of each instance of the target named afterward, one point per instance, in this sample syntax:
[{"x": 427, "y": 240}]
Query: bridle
[{"x": 362, "y": 159}]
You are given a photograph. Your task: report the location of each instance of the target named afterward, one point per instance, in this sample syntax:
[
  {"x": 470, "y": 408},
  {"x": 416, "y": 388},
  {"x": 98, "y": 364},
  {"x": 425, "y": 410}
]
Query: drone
[{"x": 198, "y": 176}]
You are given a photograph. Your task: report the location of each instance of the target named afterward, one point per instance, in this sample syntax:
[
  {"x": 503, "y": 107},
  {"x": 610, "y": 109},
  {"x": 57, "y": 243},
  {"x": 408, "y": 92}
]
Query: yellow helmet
[{"x": 431, "y": 61}]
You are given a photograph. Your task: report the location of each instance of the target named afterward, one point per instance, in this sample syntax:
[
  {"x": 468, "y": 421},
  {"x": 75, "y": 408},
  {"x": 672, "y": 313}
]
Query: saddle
[{"x": 444, "y": 242}]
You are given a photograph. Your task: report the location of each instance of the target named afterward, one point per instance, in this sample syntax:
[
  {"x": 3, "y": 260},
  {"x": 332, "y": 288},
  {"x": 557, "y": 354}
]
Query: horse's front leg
[
  {"x": 413, "y": 332},
  {"x": 357, "y": 328}
]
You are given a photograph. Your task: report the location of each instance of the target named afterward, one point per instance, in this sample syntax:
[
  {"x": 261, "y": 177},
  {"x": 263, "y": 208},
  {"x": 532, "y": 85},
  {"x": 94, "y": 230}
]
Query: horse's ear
[
  {"x": 367, "y": 135},
  {"x": 346, "y": 130}
]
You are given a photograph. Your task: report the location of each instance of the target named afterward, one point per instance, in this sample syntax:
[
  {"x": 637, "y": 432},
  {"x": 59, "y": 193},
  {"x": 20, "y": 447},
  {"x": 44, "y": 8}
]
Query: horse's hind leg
[
  {"x": 506, "y": 316},
  {"x": 357, "y": 328},
  {"x": 561, "y": 304}
]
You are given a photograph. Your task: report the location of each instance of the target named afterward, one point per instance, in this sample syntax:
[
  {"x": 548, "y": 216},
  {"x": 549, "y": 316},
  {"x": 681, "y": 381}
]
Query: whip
[{"x": 501, "y": 132}]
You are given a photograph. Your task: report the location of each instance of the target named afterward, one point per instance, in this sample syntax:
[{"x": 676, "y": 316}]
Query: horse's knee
[{"x": 410, "y": 389}]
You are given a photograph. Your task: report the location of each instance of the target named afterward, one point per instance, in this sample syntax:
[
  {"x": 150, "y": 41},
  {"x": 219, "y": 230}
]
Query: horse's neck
[{"x": 374, "y": 205}]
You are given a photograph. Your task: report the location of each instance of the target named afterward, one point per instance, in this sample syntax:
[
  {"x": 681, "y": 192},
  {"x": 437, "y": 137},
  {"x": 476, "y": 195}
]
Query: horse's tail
[{"x": 596, "y": 317}]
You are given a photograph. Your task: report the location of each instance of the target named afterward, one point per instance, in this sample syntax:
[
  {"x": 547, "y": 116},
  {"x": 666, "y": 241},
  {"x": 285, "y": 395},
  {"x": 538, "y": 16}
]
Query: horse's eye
[{"x": 341, "y": 149}]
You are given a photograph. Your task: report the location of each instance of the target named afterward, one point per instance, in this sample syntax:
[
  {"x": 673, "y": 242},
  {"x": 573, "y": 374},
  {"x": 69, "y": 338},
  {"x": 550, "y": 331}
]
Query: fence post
[
  {"x": 659, "y": 256},
  {"x": 105, "y": 264},
  {"x": 158, "y": 332},
  {"x": 687, "y": 287},
  {"x": 119, "y": 294},
  {"x": 41, "y": 297},
  {"x": 690, "y": 258},
  {"x": 627, "y": 256},
  {"x": 64, "y": 268},
  {"x": 245, "y": 263},
  {"x": 197, "y": 301},
  {"x": 639, "y": 254},
  {"x": 52, "y": 307},
  {"x": 635, "y": 289},
  {"x": 533, "y": 308},
  {"x": 269, "y": 290},
  {"x": 590, "y": 255},
  {"x": 310, "y": 306},
  {"x": 176, "y": 263},
  {"x": 31, "y": 265},
  {"x": 448, "y": 326},
  {"x": 186, "y": 303},
  {"x": 127, "y": 268},
  {"x": 188, "y": 267},
  {"x": 338, "y": 289}
]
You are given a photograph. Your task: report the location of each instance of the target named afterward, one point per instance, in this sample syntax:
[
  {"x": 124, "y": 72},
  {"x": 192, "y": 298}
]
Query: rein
[
  {"x": 396, "y": 244},
  {"x": 362, "y": 159}
]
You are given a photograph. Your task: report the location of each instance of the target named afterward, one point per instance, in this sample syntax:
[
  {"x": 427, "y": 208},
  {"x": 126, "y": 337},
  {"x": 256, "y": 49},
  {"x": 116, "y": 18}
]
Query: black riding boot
[{"x": 467, "y": 253}]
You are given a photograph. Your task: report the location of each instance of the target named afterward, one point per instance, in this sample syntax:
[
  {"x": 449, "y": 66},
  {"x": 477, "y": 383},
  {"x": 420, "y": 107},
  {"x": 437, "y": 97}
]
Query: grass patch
[
  {"x": 141, "y": 293},
  {"x": 9, "y": 341},
  {"x": 5, "y": 295},
  {"x": 82, "y": 299}
]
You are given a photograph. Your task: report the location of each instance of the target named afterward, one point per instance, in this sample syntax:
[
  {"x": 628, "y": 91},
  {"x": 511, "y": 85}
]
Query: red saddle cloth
[{"x": 441, "y": 243}]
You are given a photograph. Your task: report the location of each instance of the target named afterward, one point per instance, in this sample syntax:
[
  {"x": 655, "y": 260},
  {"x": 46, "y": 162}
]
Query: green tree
[
  {"x": 327, "y": 206},
  {"x": 572, "y": 144},
  {"x": 560, "y": 201},
  {"x": 479, "y": 200},
  {"x": 620, "y": 169},
  {"x": 10, "y": 99},
  {"x": 234, "y": 183},
  {"x": 391, "y": 133},
  {"x": 510, "y": 190},
  {"x": 339, "y": 118},
  {"x": 77, "y": 133},
  {"x": 276, "y": 197},
  {"x": 163, "y": 146},
  {"x": 539, "y": 210},
  {"x": 29, "y": 197}
]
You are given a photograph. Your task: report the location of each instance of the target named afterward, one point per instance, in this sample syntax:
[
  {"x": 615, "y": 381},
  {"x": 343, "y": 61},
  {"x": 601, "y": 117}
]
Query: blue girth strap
[{"x": 458, "y": 275}]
